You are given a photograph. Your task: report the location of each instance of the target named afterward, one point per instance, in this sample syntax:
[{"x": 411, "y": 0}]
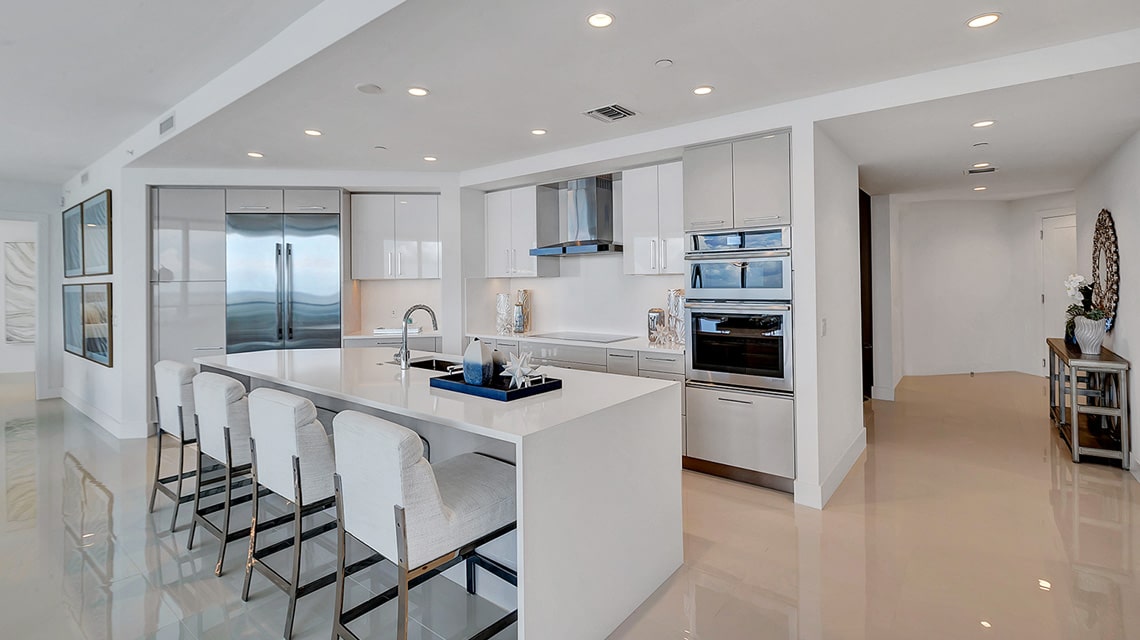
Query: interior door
[
  {"x": 312, "y": 281},
  {"x": 1058, "y": 260},
  {"x": 254, "y": 259}
]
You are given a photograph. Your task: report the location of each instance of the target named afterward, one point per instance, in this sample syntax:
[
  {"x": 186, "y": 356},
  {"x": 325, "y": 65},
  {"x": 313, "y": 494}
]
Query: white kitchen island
[{"x": 598, "y": 471}]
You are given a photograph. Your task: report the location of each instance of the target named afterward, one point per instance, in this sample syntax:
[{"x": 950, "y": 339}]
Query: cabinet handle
[
  {"x": 661, "y": 359},
  {"x": 514, "y": 260},
  {"x": 399, "y": 264},
  {"x": 619, "y": 355},
  {"x": 664, "y": 257},
  {"x": 208, "y": 348},
  {"x": 507, "y": 252},
  {"x": 707, "y": 223},
  {"x": 653, "y": 255},
  {"x": 759, "y": 218},
  {"x": 389, "y": 263},
  {"x": 253, "y": 208},
  {"x": 311, "y": 208},
  {"x": 734, "y": 400}
]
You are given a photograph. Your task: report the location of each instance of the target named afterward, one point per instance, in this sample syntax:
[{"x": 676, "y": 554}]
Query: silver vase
[
  {"x": 1089, "y": 334},
  {"x": 523, "y": 298},
  {"x": 504, "y": 314}
]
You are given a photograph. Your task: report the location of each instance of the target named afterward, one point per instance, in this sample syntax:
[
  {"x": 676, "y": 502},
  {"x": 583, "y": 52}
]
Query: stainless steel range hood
[{"x": 584, "y": 211}]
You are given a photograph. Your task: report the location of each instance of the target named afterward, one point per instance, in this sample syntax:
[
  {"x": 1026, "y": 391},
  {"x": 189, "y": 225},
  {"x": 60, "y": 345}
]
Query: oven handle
[
  {"x": 718, "y": 307},
  {"x": 735, "y": 256},
  {"x": 736, "y": 389}
]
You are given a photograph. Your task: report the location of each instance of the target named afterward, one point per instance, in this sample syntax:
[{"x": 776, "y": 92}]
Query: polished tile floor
[{"x": 965, "y": 518}]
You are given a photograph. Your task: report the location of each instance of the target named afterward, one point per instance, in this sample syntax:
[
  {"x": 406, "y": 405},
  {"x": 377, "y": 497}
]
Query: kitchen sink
[{"x": 435, "y": 364}]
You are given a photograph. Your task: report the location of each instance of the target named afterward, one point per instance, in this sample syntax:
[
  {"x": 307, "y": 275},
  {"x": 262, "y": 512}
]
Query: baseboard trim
[
  {"x": 844, "y": 466},
  {"x": 1135, "y": 467},
  {"x": 883, "y": 393},
  {"x": 109, "y": 424}
]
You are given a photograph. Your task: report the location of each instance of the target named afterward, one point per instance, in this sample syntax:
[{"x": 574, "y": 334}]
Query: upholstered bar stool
[
  {"x": 222, "y": 422},
  {"x": 174, "y": 403},
  {"x": 291, "y": 456},
  {"x": 425, "y": 518}
]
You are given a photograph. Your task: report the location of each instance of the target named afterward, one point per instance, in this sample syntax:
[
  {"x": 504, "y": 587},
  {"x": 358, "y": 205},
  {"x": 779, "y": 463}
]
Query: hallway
[{"x": 964, "y": 510}]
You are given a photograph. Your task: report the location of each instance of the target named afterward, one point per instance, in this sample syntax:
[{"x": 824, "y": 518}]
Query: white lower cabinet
[
  {"x": 750, "y": 430},
  {"x": 189, "y": 320},
  {"x": 415, "y": 343},
  {"x": 621, "y": 361}
]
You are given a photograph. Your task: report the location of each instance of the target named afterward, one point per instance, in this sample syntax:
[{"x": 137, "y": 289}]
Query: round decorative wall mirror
[{"x": 1106, "y": 267}]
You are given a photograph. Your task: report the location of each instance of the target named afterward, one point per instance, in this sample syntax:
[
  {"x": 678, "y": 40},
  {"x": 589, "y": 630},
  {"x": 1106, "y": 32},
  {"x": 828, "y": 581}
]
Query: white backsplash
[
  {"x": 383, "y": 302},
  {"x": 591, "y": 294}
]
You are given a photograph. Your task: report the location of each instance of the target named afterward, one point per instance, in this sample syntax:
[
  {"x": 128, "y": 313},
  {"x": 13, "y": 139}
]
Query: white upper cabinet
[
  {"x": 417, "y": 236},
  {"x": 511, "y": 232},
  {"x": 738, "y": 184},
  {"x": 190, "y": 235},
  {"x": 312, "y": 201},
  {"x": 255, "y": 201},
  {"x": 395, "y": 236},
  {"x": 762, "y": 181},
  {"x": 653, "y": 235},
  {"x": 708, "y": 188}
]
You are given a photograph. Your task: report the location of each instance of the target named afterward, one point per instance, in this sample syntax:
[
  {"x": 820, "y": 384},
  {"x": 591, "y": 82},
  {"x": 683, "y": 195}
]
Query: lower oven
[{"x": 743, "y": 344}]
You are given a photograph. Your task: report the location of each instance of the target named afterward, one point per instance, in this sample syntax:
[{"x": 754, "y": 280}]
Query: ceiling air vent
[
  {"x": 974, "y": 172},
  {"x": 166, "y": 125},
  {"x": 84, "y": 177},
  {"x": 610, "y": 113}
]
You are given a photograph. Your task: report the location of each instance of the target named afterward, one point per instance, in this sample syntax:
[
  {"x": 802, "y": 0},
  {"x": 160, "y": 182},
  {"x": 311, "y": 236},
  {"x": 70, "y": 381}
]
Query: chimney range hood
[{"x": 582, "y": 210}]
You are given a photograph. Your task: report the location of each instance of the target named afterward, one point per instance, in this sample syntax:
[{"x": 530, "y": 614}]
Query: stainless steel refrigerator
[{"x": 282, "y": 281}]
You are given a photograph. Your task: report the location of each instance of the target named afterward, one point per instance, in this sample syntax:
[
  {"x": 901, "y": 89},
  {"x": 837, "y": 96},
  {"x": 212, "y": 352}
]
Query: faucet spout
[{"x": 403, "y": 356}]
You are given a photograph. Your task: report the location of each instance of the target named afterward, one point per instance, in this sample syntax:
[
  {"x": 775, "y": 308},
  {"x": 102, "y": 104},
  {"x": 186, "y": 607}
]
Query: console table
[{"x": 1099, "y": 426}]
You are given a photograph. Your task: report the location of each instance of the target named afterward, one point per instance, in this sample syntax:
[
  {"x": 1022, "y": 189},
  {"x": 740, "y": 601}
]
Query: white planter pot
[{"x": 1089, "y": 334}]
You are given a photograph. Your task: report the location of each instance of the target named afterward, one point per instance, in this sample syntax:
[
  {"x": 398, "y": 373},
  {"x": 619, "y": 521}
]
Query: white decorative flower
[
  {"x": 519, "y": 370},
  {"x": 1073, "y": 286}
]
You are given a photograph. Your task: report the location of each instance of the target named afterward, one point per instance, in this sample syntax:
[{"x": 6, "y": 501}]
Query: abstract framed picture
[
  {"x": 97, "y": 323},
  {"x": 73, "y": 242},
  {"x": 73, "y": 319},
  {"x": 97, "y": 234}
]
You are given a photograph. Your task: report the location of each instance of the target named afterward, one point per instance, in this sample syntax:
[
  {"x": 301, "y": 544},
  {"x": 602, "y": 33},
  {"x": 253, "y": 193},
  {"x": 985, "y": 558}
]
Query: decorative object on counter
[
  {"x": 477, "y": 363},
  {"x": 1088, "y": 322},
  {"x": 675, "y": 322},
  {"x": 503, "y": 310},
  {"x": 523, "y": 298},
  {"x": 657, "y": 335},
  {"x": 499, "y": 389},
  {"x": 519, "y": 370},
  {"x": 1106, "y": 268},
  {"x": 1089, "y": 331},
  {"x": 498, "y": 363},
  {"x": 519, "y": 319}
]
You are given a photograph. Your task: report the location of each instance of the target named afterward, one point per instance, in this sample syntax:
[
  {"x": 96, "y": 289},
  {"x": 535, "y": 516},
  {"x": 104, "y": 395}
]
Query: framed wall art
[
  {"x": 73, "y": 241},
  {"x": 73, "y": 319},
  {"x": 87, "y": 237},
  {"x": 87, "y": 331}
]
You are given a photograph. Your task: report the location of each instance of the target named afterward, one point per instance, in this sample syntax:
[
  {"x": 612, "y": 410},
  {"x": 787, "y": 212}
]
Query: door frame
[
  {"x": 1045, "y": 216},
  {"x": 45, "y": 373}
]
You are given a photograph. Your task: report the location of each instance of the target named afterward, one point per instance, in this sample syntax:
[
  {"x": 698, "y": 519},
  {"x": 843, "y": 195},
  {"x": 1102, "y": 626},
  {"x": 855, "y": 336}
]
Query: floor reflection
[{"x": 89, "y": 554}]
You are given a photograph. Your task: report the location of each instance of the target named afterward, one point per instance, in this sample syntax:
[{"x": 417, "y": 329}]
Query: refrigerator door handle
[
  {"x": 280, "y": 293},
  {"x": 289, "y": 289}
]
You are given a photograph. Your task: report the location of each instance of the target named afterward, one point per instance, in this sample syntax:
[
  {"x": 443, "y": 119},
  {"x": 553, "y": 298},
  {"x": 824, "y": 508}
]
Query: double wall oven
[{"x": 739, "y": 355}]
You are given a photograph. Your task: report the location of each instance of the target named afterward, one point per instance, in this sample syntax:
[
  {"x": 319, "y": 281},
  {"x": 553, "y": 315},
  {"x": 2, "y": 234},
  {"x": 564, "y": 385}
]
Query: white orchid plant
[
  {"x": 1080, "y": 290},
  {"x": 1073, "y": 286}
]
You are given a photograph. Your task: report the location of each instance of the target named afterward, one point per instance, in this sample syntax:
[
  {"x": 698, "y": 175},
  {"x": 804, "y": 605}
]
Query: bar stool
[
  {"x": 440, "y": 513},
  {"x": 222, "y": 422},
  {"x": 174, "y": 403},
  {"x": 291, "y": 455}
]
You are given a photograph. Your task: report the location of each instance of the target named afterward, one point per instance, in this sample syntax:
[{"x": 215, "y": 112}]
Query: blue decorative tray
[{"x": 497, "y": 390}]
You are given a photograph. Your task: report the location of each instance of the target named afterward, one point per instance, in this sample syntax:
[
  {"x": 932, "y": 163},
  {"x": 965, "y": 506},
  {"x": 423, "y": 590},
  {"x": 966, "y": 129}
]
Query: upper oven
[
  {"x": 739, "y": 265},
  {"x": 744, "y": 344}
]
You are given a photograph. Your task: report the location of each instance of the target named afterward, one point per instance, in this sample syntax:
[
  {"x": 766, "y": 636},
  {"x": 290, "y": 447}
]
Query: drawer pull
[
  {"x": 208, "y": 348},
  {"x": 320, "y": 208},
  {"x": 248, "y": 207},
  {"x": 661, "y": 359},
  {"x": 619, "y": 355},
  {"x": 734, "y": 400},
  {"x": 758, "y": 218},
  {"x": 706, "y": 223}
]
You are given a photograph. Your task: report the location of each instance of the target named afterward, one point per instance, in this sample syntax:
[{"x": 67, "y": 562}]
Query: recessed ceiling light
[
  {"x": 600, "y": 20},
  {"x": 1044, "y": 585},
  {"x": 403, "y": 202},
  {"x": 980, "y": 188},
  {"x": 430, "y": 158},
  {"x": 986, "y": 624},
  {"x": 663, "y": 63},
  {"x": 981, "y": 124},
  {"x": 418, "y": 92},
  {"x": 984, "y": 20},
  {"x": 369, "y": 88},
  {"x": 981, "y": 165},
  {"x": 255, "y": 154},
  {"x": 703, "y": 90},
  {"x": 313, "y": 132},
  {"x": 538, "y": 132}
]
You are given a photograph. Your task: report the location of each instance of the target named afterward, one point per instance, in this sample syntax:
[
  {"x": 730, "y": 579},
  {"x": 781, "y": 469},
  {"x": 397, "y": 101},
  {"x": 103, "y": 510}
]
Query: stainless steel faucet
[{"x": 403, "y": 356}]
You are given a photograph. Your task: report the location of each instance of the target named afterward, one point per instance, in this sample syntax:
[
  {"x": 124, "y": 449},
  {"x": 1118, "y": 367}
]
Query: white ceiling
[
  {"x": 499, "y": 69},
  {"x": 77, "y": 77},
  {"x": 1049, "y": 135}
]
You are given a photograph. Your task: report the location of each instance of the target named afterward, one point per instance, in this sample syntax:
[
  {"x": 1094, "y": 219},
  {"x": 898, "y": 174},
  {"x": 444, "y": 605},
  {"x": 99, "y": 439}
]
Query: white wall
[
  {"x": 15, "y": 357},
  {"x": 842, "y": 437},
  {"x": 591, "y": 294},
  {"x": 886, "y": 297},
  {"x": 39, "y": 203},
  {"x": 1115, "y": 186}
]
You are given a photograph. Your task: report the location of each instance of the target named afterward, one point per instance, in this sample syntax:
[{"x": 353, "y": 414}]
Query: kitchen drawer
[
  {"x": 754, "y": 431},
  {"x": 312, "y": 201},
  {"x": 621, "y": 361},
  {"x": 578, "y": 366},
  {"x": 661, "y": 362},
  {"x": 567, "y": 353},
  {"x": 415, "y": 343},
  {"x": 255, "y": 201},
  {"x": 675, "y": 377}
]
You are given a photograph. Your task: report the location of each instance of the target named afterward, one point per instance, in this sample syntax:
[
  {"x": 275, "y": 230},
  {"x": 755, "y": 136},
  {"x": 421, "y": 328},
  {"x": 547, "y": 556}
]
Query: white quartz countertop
[
  {"x": 632, "y": 344},
  {"x": 366, "y": 376}
]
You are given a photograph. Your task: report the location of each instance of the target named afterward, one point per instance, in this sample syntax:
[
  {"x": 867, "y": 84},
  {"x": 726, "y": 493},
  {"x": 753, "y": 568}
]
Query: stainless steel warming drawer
[{"x": 752, "y": 430}]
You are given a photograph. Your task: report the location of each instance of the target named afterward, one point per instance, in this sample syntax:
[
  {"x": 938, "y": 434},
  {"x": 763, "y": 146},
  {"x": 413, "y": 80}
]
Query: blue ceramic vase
[{"x": 478, "y": 367}]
